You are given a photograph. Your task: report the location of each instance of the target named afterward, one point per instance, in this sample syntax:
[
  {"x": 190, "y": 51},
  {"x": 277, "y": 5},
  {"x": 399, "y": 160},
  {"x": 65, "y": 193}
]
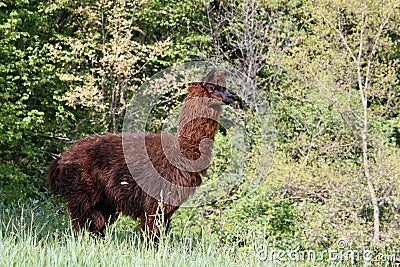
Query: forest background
[{"x": 328, "y": 70}]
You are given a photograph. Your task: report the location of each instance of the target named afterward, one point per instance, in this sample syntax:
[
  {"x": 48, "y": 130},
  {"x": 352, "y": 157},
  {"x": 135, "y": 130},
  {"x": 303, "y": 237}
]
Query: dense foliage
[{"x": 328, "y": 69}]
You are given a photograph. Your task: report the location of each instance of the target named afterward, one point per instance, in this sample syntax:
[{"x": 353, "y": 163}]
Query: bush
[{"x": 16, "y": 185}]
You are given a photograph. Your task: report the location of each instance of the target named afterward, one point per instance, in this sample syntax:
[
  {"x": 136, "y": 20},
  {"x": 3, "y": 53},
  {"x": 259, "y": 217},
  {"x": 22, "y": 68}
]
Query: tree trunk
[{"x": 367, "y": 174}]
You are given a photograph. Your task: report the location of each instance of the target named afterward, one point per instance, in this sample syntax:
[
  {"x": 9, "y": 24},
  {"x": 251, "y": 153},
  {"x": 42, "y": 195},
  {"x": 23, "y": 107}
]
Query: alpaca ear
[
  {"x": 209, "y": 77},
  {"x": 218, "y": 78}
]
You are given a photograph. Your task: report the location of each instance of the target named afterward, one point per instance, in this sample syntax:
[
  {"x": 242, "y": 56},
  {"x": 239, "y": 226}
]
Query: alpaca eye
[{"x": 212, "y": 88}]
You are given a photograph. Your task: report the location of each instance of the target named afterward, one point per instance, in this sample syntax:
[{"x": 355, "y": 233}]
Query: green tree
[
  {"x": 359, "y": 31},
  {"x": 28, "y": 91},
  {"x": 115, "y": 46},
  {"x": 342, "y": 61}
]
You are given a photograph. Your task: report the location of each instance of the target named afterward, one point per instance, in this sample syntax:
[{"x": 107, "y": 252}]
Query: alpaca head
[
  {"x": 213, "y": 95},
  {"x": 212, "y": 88}
]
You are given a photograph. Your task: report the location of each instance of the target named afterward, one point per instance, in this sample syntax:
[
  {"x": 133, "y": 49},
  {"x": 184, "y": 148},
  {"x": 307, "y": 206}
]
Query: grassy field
[{"x": 35, "y": 235}]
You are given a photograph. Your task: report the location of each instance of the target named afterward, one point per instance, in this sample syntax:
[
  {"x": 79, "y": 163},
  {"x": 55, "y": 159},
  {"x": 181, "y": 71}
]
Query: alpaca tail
[{"x": 53, "y": 177}]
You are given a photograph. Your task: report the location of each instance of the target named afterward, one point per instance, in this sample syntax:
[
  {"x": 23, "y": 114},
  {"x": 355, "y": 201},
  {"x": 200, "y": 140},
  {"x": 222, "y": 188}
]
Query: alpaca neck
[
  {"x": 197, "y": 123},
  {"x": 197, "y": 130}
]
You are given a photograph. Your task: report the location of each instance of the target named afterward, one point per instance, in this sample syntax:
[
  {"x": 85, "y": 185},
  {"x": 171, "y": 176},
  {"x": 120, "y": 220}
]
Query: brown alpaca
[{"x": 103, "y": 175}]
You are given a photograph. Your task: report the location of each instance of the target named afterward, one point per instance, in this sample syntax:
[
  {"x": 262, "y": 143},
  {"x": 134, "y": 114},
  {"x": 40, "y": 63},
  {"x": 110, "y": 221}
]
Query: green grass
[
  {"x": 81, "y": 250},
  {"x": 35, "y": 235}
]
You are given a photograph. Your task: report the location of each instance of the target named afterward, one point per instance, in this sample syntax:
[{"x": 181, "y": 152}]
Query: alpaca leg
[
  {"x": 151, "y": 225},
  {"x": 78, "y": 212},
  {"x": 97, "y": 222},
  {"x": 148, "y": 227},
  {"x": 167, "y": 216},
  {"x": 109, "y": 218},
  {"x": 109, "y": 212},
  {"x": 83, "y": 216}
]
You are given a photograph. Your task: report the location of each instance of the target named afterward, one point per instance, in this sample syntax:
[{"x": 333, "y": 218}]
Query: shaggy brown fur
[{"x": 103, "y": 175}]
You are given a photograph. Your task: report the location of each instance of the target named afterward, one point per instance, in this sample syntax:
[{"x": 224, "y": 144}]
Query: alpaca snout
[
  {"x": 227, "y": 100},
  {"x": 229, "y": 97}
]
